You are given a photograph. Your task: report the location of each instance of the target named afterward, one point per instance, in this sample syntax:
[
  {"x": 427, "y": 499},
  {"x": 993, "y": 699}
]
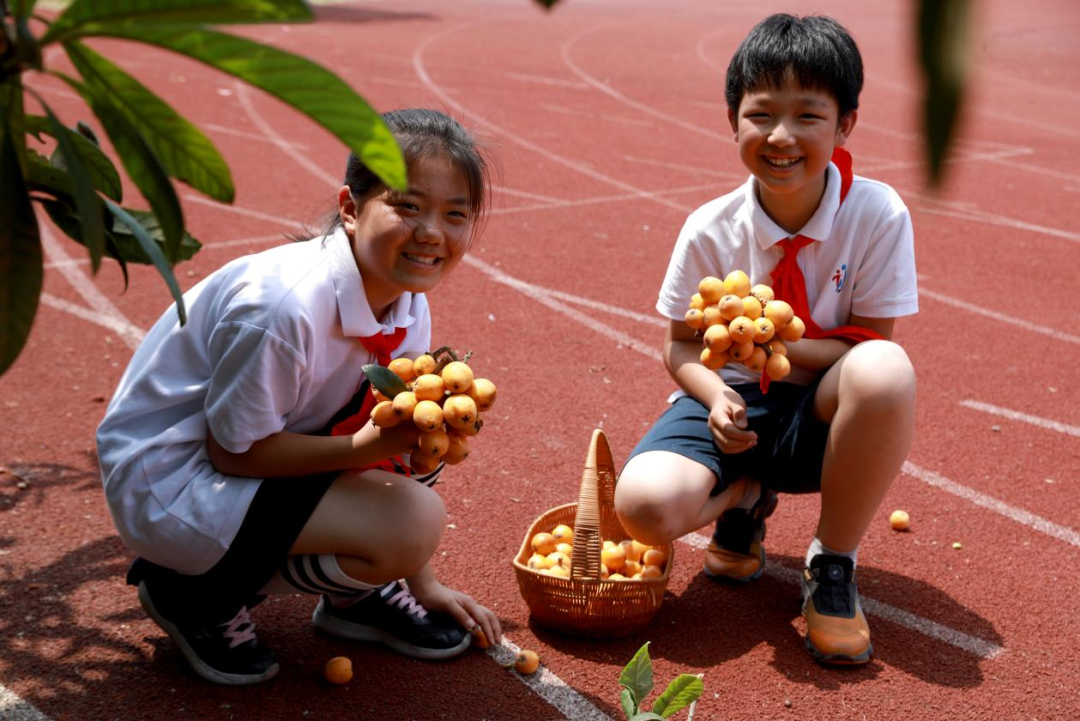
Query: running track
[{"x": 607, "y": 123}]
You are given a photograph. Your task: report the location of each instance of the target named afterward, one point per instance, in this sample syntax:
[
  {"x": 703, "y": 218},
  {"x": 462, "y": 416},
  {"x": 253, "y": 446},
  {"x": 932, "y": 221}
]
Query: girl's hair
[
  {"x": 422, "y": 133},
  {"x": 816, "y": 51}
]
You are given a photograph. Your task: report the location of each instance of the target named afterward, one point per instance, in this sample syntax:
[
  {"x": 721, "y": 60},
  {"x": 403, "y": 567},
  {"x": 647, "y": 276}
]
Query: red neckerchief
[
  {"x": 381, "y": 346},
  {"x": 789, "y": 284}
]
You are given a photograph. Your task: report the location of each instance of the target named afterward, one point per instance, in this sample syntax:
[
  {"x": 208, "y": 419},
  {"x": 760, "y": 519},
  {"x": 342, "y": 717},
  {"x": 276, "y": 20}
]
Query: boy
[{"x": 842, "y": 422}]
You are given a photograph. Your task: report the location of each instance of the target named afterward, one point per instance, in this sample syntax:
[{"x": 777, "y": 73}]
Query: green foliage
[
  {"x": 78, "y": 185},
  {"x": 943, "y": 52},
  {"x": 637, "y": 682}
]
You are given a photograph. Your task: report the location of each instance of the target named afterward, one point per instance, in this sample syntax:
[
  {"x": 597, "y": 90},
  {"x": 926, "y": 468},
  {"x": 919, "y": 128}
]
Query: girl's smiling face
[
  {"x": 786, "y": 138},
  {"x": 407, "y": 242}
]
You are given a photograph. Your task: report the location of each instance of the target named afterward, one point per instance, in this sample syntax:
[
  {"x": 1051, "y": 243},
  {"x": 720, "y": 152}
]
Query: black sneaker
[
  {"x": 736, "y": 553},
  {"x": 836, "y": 629},
  {"x": 227, "y": 653},
  {"x": 390, "y": 615}
]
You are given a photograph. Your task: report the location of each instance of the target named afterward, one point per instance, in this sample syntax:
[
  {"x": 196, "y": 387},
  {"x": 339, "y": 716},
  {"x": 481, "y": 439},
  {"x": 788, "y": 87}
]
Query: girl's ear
[
  {"x": 845, "y": 126},
  {"x": 734, "y": 121},
  {"x": 347, "y": 209}
]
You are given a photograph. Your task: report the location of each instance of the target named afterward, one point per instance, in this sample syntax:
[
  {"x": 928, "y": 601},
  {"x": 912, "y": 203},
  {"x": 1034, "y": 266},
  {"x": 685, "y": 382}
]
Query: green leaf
[
  {"x": 680, "y": 693},
  {"x": 638, "y": 675},
  {"x": 629, "y": 706},
  {"x": 184, "y": 151},
  {"x": 22, "y": 265},
  {"x": 385, "y": 380},
  {"x": 306, "y": 86},
  {"x": 122, "y": 244},
  {"x": 91, "y": 219},
  {"x": 140, "y": 162},
  {"x": 943, "y": 53},
  {"x": 102, "y": 171},
  {"x": 23, "y": 8},
  {"x": 88, "y": 17},
  {"x": 154, "y": 252}
]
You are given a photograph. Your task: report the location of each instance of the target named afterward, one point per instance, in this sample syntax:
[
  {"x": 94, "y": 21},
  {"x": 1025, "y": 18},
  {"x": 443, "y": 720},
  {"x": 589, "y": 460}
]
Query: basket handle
[{"x": 597, "y": 489}]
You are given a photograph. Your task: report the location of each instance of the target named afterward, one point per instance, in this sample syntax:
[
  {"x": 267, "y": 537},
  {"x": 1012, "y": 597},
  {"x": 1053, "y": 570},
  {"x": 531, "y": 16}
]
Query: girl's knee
[{"x": 645, "y": 509}]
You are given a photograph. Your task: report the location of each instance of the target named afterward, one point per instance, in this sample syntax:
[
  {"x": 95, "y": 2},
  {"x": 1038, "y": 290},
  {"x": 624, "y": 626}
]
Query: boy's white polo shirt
[
  {"x": 862, "y": 264},
  {"x": 271, "y": 344}
]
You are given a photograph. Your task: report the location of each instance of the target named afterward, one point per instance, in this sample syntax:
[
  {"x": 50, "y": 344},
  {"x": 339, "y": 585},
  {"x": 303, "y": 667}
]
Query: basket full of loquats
[{"x": 579, "y": 571}]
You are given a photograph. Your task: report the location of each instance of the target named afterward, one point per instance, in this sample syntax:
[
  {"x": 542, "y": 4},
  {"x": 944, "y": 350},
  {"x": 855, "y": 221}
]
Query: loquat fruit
[
  {"x": 777, "y": 366},
  {"x": 478, "y": 638},
  {"x": 742, "y": 330},
  {"x": 527, "y": 662},
  {"x": 763, "y": 293},
  {"x": 403, "y": 368},
  {"x": 756, "y": 361},
  {"x": 422, "y": 462},
  {"x": 457, "y": 450},
  {"x": 457, "y": 377},
  {"x": 429, "y": 387},
  {"x": 459, "y": 411},
  {"x": 543, "y": 543},
  {"x": 424, "y": 364},
  {"x": 717, "y": 338},
  {"x": 900, "y": 520},
  {"x": 558, "y": 559},
  {"x": 404, "y": 404},
  {"x": 560, "y": 571},
  {"x": 695, "y": 319},
  {"x": 483, "y": 392},
  {"x": 564, "y": 548},
  {"x": 563, "y": 532},
  {"x": 710, "y": 289},
  {"x": 428, "y": 415},
  {"x": 737, "y": 283},
  {"x": 731, "y": 307},
  {"x": 779, "y": 312},
  {"x": 434, "y": 443},
  {"x": 383, "y": 415},
  {"x": 751, "y": 307},
  {"x": 614, "y": 558},
  {"x": 697, "y": 302},
  {"x": 711, "y": 316},
  {"x": 712, "y": 360},
  {"x": 632, "y": 553},
  {"x": 652, "y": 572},
  {"x": 654, "y": 557},
  {"x": 794, "y": 330},
  {"x": 741, "y": 351},
  {"x": 764, "y": 330},
  {"x": 338, "y": 670},
  {"x": 538, "y": 562}
]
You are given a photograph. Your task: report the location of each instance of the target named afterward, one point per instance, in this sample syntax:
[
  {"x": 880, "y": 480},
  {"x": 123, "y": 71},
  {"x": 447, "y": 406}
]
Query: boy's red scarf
[
  {"x": 789, "y": 284},
  {"x": 381, "y": 346}
]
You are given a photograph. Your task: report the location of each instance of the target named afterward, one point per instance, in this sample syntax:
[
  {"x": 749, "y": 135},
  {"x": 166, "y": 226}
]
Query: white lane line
[
  {"x": 562, "y": 110},
  {"x": 1003, "y": 221},
  {"x": 100, "y": 305},
  {"x": 1038, "y": 523},
  {"x": 687, "y": 168},
  {"x": 1025, "y": 417},
  {"x": 443, "y": 96},
  {"x": 548, "y": 81},
  {"x": 79, "y": 262},
  {"x": 131, "y": 336},
  {"x": 247, "y": 136},
  {"x": 1019, "y": 322},
  {"x": 966, "y": 642},
  {"x": 601, "y": 199},
  {"x": 13, "y": 708},
  {"x": 548, "y": 686}
]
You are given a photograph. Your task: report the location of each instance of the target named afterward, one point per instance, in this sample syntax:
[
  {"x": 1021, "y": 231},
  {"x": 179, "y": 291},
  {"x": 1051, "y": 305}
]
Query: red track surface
[{"x": 590, "y": 111}]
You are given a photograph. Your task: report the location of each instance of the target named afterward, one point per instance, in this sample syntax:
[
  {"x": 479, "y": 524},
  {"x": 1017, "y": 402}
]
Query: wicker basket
[{"x": 584, "y": 604}]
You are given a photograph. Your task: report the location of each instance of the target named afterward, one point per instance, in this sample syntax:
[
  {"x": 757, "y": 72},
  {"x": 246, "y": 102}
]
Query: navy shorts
[{"x": 790, "y": 447}]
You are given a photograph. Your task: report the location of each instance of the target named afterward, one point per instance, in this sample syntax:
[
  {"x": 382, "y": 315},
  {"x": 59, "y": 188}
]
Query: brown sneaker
[
  {"x": 736, "y": 553},
  {"x": 836, "y": 629}
]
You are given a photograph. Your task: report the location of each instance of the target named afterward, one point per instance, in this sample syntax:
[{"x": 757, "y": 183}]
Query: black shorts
[{"x": 790, "y": 447}]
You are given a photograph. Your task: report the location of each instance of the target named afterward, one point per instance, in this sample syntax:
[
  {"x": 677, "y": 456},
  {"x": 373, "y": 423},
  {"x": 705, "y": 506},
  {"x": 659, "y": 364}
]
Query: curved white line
[{"x": 1012, "y": 415}]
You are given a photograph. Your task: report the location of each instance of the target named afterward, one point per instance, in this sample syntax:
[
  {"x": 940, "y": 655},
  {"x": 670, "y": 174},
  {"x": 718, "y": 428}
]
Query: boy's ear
[
  {"x": 733, "y": 119},
  {"x": 347, "y": 209},
  {"x": 845, "y": 126}
]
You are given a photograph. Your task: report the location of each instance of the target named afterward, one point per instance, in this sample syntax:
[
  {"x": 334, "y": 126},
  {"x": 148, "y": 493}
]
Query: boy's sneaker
[
  {"x": 836, "y": 629},
  {"x": 390, "y": 615},
  {"x": 736, "y": 553},
  {"x": 227, "y": 653}
]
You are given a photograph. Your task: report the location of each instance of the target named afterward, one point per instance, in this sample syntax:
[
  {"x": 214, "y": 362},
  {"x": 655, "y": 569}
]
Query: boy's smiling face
[{"x": 786, "y": 138}]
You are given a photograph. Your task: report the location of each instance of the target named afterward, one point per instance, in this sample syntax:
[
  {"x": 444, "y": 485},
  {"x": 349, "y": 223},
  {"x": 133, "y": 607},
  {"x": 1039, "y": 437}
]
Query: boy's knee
[{"x": 880, "y": 371}]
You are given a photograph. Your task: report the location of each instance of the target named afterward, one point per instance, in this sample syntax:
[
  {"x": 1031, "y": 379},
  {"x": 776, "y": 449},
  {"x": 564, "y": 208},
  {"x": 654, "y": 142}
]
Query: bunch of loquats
[
  {"x": 743, "y": 324},
  {"x": 626, "y": 560},
  {"x": 441, "y": 395}
]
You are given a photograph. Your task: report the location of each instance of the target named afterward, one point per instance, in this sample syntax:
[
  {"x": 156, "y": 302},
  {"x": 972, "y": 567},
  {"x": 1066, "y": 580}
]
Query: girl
[{"x": 220, "y": 466}]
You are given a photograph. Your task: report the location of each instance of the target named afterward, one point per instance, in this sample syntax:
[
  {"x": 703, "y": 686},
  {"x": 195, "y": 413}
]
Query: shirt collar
[
  {"x": 819, "y": 227},
  {"x": 357, "y": 320}
]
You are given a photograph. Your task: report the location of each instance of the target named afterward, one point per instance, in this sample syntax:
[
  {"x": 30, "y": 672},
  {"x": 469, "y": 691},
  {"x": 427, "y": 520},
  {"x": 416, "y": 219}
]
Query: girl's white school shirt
[
  {"x": 270, "y": 344},
  {"x": 863, "y": 262}
]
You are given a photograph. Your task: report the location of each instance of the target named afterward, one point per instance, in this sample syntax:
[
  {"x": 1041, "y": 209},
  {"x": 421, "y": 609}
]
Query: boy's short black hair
[{"x": 816, "y": 50}]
